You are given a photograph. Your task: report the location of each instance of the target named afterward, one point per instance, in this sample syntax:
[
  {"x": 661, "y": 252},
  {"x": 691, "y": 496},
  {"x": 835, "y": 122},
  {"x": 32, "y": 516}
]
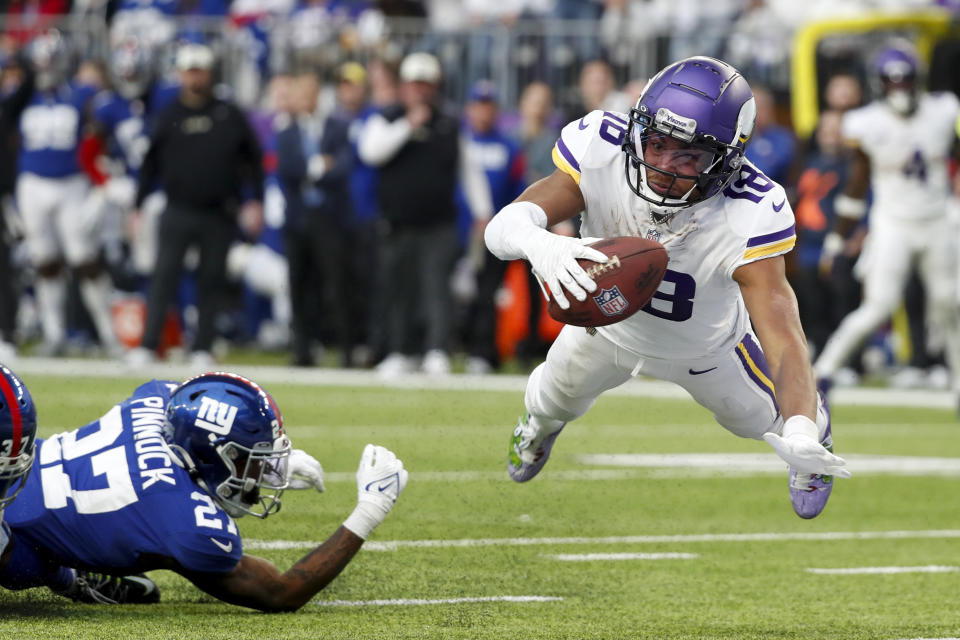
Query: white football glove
[
  {"x": 800, "y": 448},
  {"x": 305, "y": 472},
  {"x": 553, "y": 259},
  {"x": 380, "y": 479}
]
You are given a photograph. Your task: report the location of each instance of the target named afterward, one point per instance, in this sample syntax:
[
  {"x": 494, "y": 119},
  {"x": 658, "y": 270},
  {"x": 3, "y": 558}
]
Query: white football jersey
[
  {"x": 908, "y": 156},
  {"x": 698, "y": 309}
]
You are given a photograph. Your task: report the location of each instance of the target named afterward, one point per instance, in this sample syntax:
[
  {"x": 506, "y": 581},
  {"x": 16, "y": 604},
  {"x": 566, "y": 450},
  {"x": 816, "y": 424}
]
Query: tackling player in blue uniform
[
  {"x": 18, "y": 432},
  {"x": 156, "y": 484}
]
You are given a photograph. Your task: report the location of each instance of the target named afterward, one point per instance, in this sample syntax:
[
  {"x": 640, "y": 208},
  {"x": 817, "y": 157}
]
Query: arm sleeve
[
  {"x": 476, "y": 187},
  {"x": 381, "y": 140}
]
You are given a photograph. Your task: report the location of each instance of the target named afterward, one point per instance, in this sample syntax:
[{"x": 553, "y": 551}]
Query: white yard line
[
  {"x": 393, "y": 545},
  {"x": 87, "y": 367},
  {"x": 590, "y": 557},
  {"x": 764, "y": 463},
  {"x": 932, "y": 568},
  {"x": 407, "y": 602}
]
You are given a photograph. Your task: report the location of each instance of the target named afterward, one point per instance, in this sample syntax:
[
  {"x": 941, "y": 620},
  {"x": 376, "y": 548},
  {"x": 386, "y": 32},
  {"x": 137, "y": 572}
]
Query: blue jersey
[
  {"x": 50, "y": 129},
  {"x": 127, "y": 123},
  {"x": 111, "y": 492}
]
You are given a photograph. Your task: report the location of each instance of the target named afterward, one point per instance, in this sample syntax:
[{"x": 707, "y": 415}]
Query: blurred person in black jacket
[
  {"x": 205, "y": 155},
  {"x": 417, "y": 147},
  {"x": 314, "y": 158}
]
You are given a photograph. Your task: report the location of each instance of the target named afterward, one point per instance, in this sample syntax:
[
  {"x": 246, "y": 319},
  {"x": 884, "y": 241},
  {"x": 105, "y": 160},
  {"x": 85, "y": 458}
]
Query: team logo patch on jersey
[
  {"x": 611, "y": 301},
  {"x": 654, "y": 235}
]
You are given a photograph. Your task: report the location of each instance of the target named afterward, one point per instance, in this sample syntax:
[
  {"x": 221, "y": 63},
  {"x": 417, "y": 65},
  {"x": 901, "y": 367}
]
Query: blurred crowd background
[{"x": 315, "y": 240}]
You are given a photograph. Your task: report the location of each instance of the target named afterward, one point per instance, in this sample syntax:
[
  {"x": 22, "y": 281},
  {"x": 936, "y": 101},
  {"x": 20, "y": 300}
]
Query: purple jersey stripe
[
  {"x": 772, "y": 237},
  {"x": 760, "y": 361},
  {"x": 565, "y": 152}
]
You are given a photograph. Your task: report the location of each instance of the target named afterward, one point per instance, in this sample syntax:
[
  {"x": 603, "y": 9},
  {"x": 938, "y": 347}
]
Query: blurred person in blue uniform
[
  {"x": 773, "y": 146},
  {"x": 59, "y": 230}
]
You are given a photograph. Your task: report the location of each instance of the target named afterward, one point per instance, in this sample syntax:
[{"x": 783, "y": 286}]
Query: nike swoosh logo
[
  {"x": 697, "y": 373},
  {"x": 777, "y": 207},
  {"x": 227, "y": 548},
  {"x": 582, "y": 125},
  {"x": 383, "y": 483}
]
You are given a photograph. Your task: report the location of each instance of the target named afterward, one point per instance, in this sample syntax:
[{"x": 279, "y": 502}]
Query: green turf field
[{"x": 712, "y": 583}]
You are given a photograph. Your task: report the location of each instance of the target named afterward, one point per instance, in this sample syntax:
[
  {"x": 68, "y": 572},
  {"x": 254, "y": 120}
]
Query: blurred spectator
[
  {"x": 843, "y": 92},
  {"x": 60, "y": 226},
  {"x": 16, "y": 89},
  {"x": 408, "y": 141},
  {"x": 26, "y": 19},
  {"x": 759, "y": 42},
  {"x": 204, "y": 153},
  {"x": 362, "y": 262},
  {"x": 537, "y": 135},
  {"x": 773, "y": 145},
  {"x": 314, "y": 159},
  {"x": 502, "y": 161},
  {"x": 823, "y": 299},
  {"x": 598, "y": 91}
]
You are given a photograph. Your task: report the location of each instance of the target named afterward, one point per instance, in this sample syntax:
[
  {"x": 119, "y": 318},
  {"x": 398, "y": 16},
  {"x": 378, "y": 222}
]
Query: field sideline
[{"x": 650, "y": 521}]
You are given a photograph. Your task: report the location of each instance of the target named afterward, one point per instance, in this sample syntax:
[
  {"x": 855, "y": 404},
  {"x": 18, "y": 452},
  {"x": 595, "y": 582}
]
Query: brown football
[{"x": 625, "y": 283}]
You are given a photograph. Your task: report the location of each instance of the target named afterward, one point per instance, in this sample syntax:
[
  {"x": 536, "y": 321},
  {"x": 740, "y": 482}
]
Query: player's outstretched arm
[
  {"x": 772, "y": 306},
  {"x": 258, "y": 584}
]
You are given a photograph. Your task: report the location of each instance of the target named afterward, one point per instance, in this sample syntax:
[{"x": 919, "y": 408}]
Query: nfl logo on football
[{"x": 611, "y": 301}]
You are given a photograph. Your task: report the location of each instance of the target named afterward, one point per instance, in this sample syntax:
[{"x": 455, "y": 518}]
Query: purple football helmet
[
  {"x": 687, "y": 134},
  {"x": 896, "y": 70},
  {"x": 228, "y": 432},
  {"x": 18, "y": 434}
]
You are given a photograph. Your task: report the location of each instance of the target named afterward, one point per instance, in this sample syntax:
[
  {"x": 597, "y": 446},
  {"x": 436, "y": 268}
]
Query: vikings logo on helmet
[
  {"x": 18, "y": 433},
  {"x": 697, "y": 115}
]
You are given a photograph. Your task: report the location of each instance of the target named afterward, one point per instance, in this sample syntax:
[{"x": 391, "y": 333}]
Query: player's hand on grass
[
  {"x": 553, "y": 259},
  {"x": 798, "y": 446},
  {"x": 380, "y": 479},
  {"x": 305, "y": 471}
]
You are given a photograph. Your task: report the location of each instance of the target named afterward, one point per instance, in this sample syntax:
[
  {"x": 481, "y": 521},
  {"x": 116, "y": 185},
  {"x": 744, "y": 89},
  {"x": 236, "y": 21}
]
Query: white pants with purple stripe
[{"x": 735, "y": 386}]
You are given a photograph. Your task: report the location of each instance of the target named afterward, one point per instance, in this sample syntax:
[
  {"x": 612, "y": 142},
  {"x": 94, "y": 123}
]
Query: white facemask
[{"x": 901, "y": 101}]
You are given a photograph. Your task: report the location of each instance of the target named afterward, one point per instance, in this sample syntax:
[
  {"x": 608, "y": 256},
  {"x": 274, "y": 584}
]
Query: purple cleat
[
  {"x": 809, "y": 492},
  {"x": 527, "y": 456}
]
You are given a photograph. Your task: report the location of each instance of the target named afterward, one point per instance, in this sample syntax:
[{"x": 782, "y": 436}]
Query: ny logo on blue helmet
[
  {"x": 687, "y": 134},
  {"x": 228, "y": 433},
  {"x": 18, "y": 434}
]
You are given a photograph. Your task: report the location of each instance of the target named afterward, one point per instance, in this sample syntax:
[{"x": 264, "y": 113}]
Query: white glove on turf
[
  {"x": 380, "y": 479},
  {"x": 800, "y": 448},
  {"x": 305, "y": 471},
  {"x": 553, "y": 259}
]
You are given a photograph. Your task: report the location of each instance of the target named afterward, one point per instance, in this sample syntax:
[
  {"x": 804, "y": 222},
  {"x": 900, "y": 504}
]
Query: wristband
[
  {"x": 364, "y": 519},
  {"x": 849, "y": 207},
  {"x": 832, "y": 245},
  {"x": 801, "y": 425}
]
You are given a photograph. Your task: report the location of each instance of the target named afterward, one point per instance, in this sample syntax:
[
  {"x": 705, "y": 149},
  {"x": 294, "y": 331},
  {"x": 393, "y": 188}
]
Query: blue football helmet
[
  {"x": 228, "y": 433},
  {"x": 131, "y": 68},
  {"x": 687, "y": 134},
  {"x": 896, "y": 72},
  {"x": 52, "y": 59},
  {"x": 18, "y": 434}
]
